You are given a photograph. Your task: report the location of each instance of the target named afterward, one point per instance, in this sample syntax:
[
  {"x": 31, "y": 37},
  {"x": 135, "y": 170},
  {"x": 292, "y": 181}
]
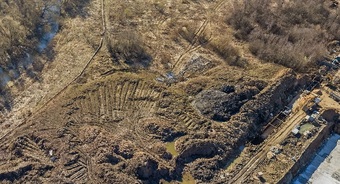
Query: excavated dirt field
[
  {"x": 98, "y": 121},
  {"x": 115, "y": 130}
]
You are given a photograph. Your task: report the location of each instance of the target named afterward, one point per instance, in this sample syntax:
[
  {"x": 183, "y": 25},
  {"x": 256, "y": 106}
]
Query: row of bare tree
[
  {"x": 22, "y": 25},
  {"x": 290, "y": 33}
]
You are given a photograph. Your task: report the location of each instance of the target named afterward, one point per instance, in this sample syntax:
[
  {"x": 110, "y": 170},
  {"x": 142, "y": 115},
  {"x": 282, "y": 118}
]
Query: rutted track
[
  {"x": 121, "y": 123},
  {"x": 115, "y": 100},
  {"x": 42, "y": 107},
  {"x": 78, "y": 170},
  {"x": 194, "y": 45},
  {"x": 30, "y": 147},
  {"x": 116, "y": 105}
]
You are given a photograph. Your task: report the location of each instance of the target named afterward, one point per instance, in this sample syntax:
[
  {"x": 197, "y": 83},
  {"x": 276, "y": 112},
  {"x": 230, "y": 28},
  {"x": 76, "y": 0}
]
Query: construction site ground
[
  {"x": 90, "y": 119},
  {"x": 261, "y": 160},
  {"x": 324, "y": 168},
  {"x": 177, "y": 117}
]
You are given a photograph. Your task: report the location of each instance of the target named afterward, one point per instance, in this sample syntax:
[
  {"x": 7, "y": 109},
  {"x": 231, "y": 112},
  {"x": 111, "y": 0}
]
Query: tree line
[{"x": 291, "y": 33}]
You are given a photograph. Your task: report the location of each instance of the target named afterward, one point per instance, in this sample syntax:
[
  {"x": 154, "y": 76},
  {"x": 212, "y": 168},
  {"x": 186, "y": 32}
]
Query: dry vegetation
[
  {"x": 223, "y": 47},
  {"x": 290, "y": 33},
  {"x": 19, "y": 35},
  {"x": 74, "y": 8},
  {"x": 129, "y": 49},
  {"x": 18, "y": 23},
  {"x": 186, "y": 71},
  {"x": 23, "y": 25}
]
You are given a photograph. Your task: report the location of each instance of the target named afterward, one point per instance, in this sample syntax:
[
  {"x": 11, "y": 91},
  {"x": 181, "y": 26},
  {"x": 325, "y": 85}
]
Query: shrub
[
  {"x": 293, "y": 34},
  {"x": 129, "y": 48},
  {"x": 223, "y": 47},
  {"x": 74, "y": 8},
  {"x": 18, "y": 22},
  {"x": 193, "y": 33},
  {"x": 160, "y": 6},
  {"x": 188, "y": 32}
]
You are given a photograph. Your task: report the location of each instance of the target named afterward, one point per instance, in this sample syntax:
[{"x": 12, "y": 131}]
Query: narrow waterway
[{"x": 325, "y": 166}]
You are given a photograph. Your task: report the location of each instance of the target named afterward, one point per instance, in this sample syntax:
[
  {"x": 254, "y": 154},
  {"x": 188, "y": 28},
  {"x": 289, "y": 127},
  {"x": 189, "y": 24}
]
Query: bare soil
[{"x": 95, "y": 118}]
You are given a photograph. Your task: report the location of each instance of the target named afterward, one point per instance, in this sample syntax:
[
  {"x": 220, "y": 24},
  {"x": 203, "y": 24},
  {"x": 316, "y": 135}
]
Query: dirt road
[{"x": 274, "y": 139}]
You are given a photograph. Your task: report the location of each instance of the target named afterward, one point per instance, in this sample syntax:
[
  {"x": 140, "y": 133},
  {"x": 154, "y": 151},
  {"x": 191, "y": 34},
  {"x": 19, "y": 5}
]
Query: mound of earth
[
  {"x": 140, "y": 92},
  {"x": 115, "y": 129}
]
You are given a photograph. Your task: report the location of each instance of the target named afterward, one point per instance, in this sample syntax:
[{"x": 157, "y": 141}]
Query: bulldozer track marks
[
  {"x": 77, "y": 169},
  {"x": 112, "y": 102},
  {"x": 116, "y": 104},
  {"x": 43, "y": 106},
  {"x": 193, "y": 44},
  {"x": 187, "y": 121},
  {"x": 29, "y": 147},
  {"x": 144, "y": 142}
]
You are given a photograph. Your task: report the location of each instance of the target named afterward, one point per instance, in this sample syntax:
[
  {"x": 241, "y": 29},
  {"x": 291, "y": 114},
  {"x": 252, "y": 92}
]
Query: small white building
[
  {"x": 317, "y": 100},
  {"x": 295, "y": 131}
]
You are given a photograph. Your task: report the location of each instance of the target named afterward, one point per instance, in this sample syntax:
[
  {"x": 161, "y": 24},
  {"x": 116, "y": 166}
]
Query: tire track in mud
[
  {"x": 114, "y": 100},
  {"x": 126, "y": 102},
  {"x": 40, "y": 109},
  {"x": 30, "y": 146},
  {"x": 80, "y": 169},
  {"x": 143, "y": 143},
  {"x": 195, "y": 45}
]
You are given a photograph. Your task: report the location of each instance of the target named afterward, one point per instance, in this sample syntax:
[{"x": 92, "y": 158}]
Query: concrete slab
[{"x": 325, "y": 166}]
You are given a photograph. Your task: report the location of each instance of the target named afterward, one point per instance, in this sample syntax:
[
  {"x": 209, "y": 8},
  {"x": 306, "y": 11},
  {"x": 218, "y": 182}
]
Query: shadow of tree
[{"x": 73, "y": 8}]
